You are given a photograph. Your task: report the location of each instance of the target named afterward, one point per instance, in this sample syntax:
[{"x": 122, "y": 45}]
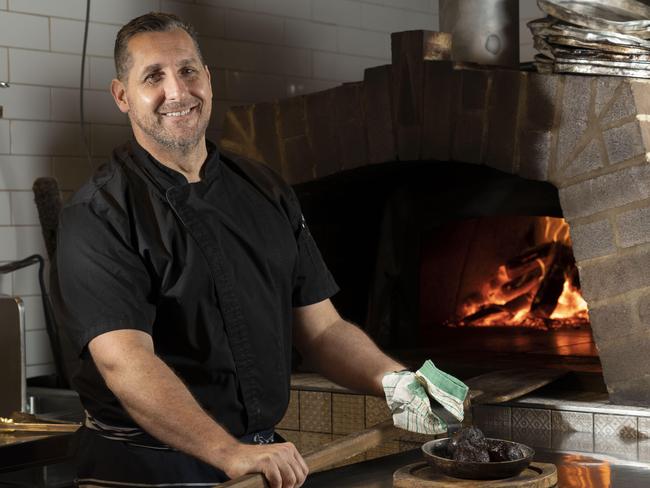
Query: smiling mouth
[{"x": 179, "y": 113}]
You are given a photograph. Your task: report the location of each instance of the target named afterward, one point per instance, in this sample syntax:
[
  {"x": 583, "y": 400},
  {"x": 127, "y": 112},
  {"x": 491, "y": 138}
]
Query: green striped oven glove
[{"x": 408, "y": 396}]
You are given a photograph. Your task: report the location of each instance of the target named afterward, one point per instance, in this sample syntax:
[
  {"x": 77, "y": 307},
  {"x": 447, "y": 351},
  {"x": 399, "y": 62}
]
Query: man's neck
[{"x": 188, "y": 161}]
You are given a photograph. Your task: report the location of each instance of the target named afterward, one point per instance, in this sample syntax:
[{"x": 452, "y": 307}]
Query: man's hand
[{"x": 281, "y": 464}]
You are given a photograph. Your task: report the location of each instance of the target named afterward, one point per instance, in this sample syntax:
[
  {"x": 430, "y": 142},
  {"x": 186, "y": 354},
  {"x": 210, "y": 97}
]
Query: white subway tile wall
[
  {"x": 5, "y": 208},
  {"x": 5, "y": 281},
  {"x": 257, "y": 50},
  {"x": 23, "y": 209},
  {"x": 25, "y": 284},
  {"x": 65, "y": 35},
  {"x": 26, "y": 102}
]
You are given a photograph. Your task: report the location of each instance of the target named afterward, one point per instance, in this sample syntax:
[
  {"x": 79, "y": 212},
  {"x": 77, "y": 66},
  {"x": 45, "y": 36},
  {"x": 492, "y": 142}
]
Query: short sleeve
[
  {"x": 101, "y": 283},
  {"x": 313, "y": 281}
]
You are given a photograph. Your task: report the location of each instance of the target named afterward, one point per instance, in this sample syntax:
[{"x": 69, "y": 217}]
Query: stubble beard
[{"x": 152, "y": 126}]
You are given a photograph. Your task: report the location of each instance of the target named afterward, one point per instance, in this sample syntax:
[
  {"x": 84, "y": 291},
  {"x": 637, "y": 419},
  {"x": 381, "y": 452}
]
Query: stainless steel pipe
[{"x": 483, "y": 31}]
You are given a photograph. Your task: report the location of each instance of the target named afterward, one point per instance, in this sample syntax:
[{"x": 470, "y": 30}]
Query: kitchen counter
[
  {"x": 24, "y": 450},
  {"x": 575, "y": 470}
]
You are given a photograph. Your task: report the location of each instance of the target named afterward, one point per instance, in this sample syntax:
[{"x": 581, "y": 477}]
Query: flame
[
  {"x": 507, "y": 299},
  {"x": 570, "y": 303}
]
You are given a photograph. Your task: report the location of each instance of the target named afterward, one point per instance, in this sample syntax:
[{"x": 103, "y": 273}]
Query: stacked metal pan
[{"x": 597, "y": 37}]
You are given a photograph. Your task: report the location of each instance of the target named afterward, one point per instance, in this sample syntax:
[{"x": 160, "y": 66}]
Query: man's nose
[{"x": 175, "y": 87}]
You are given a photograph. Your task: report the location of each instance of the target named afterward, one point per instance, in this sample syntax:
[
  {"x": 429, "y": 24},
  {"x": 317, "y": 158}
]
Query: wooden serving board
[{"x": 421, "y": 475}]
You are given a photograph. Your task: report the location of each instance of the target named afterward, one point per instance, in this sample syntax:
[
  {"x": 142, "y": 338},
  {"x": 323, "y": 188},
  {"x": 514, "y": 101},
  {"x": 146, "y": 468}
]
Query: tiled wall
[
  {"x": 596, "y": 429},
  {"x": 317, "y": 417},
  {"x": 320, "y": 412},
  {"x": 257, "y": 50}
]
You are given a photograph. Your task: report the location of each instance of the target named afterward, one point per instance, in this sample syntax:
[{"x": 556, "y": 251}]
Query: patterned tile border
[
  {"x": 531, "y": 419},
  {"x": 565, "y": 421},
  {"x": 316, "y": 416}
]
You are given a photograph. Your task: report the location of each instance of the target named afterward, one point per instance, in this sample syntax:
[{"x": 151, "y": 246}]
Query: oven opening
[{"x": 457, "y": 262}]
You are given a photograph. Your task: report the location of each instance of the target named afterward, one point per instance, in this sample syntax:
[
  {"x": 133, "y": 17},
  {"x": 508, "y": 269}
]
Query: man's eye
[
  {"x": 153, "y": 78},
  {"x": 189, "y": 71}
]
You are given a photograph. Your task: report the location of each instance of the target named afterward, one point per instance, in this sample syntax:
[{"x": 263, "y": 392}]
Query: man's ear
[{"x": 119, "y": 95}]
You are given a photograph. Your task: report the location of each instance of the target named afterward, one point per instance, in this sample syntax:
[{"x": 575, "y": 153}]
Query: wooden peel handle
[{"x": 328, "y": 455}]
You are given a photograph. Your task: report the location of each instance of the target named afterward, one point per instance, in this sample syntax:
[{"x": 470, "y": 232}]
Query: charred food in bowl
[{"x": 469, "y": 444}]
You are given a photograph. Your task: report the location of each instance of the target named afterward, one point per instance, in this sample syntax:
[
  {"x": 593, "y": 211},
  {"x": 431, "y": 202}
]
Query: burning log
[
  {"x": 524, "y": 282},
  {"x": 552, "y": 285},
  {"x": 529, "y": 257},
  {"x": 521, "y": 302},
  {"x": 484, "y": 312}
]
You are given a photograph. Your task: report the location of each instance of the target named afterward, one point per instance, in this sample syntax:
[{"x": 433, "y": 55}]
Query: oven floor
[
  {"x": 474, "y": 350},
  {"x": 561, "y": 342}
]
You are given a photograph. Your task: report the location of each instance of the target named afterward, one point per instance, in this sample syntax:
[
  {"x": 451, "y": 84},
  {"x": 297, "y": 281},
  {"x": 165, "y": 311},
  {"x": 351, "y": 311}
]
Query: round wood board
[{"x": 421, "y": 475}]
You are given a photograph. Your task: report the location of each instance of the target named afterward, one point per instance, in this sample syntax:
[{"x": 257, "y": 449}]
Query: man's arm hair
[
  {"x": 162, "y": 405},
  {"x": 339, "y": 350},
  {"x": 154, "y": 396}
]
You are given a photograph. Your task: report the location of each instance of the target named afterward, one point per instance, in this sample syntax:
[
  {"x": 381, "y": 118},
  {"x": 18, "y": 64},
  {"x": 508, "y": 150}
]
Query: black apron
[{"x": 107, "y": 462}]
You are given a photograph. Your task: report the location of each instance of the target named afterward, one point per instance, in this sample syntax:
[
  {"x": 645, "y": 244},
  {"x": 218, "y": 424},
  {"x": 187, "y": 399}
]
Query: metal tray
[
  {"x": 625, "y": 16},
  {"x": 435, "y": 452}
]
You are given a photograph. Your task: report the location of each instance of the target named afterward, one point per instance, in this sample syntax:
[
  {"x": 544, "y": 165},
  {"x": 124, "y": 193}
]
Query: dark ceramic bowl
[{"x": 435, "y": 452}]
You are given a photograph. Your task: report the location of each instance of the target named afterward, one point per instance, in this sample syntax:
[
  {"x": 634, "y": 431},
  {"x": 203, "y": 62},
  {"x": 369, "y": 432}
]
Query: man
[{"x": 184, "y": 277}]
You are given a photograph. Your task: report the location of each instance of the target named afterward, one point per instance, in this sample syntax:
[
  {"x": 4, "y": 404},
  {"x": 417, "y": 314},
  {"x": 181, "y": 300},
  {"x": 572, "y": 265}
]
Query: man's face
[{"x": 167, "y": 93}]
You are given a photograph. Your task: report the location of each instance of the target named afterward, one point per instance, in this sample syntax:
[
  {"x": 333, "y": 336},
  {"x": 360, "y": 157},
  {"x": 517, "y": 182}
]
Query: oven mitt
[{"x": 408, "y": 396}]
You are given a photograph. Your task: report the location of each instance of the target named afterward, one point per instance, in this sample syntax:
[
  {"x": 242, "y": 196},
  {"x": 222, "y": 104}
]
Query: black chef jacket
[{"x": 211, "y": 270}]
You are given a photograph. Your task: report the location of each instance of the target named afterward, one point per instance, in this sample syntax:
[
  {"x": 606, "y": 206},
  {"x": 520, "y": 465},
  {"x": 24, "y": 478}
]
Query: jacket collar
[{"x": 162, "y": 176}]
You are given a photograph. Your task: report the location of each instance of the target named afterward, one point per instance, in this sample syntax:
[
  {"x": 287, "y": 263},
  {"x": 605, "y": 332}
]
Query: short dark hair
[{"x": 151, "y": 22}]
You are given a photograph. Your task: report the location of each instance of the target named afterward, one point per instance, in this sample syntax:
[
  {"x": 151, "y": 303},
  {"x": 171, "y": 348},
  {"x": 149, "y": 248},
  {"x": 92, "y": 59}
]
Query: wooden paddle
[{"x": 495, "y": 387}]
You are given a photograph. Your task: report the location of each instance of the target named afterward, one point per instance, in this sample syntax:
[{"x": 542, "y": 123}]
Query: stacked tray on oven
[{"x": 597, "y": 37}]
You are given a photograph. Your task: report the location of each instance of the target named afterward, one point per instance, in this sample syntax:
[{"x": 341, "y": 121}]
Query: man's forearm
[
  {"x": 162, "y": 405},
  {"x": 347, "y": 356}
]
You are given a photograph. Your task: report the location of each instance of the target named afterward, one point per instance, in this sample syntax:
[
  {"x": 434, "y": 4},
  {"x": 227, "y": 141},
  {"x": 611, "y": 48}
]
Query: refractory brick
[
  {"x": 620, "y": 106},
  {"x": 624, "y": 142},
  {"x": 589, "y": 159},
  {"x": 613, "y": 319},
  {"x": 632, "y": 391},
  {"x": 441, "y": 87},
  {"x": 592, "y": 240},
  {"x": 266, "y": 136},
  {"x": 634, "y": 227},
  {"x": 470, "y": 127},
  {"x": 606, "y": 88},
  {"x": 353, "y": 148},
  {"x": 634, "y": 348},
  {"x": 502, "y": 120},
  {"x": 574, "y": 116},
  {"x": 615, "y": 275},
  {"x": 541, "y": 101},
  {"x": 323, "y": 132},
  {"x": 534, "y": 154},
  {"x": 378, "y": 115},
  {"x": 606, "y": 192},
  {"x": 641, "y": 93},
  {"x": 291, "y": 117},
  {"x": 643, "y": 308}
]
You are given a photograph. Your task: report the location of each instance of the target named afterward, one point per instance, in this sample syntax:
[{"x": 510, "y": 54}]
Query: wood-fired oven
[{"x": 584, "y": 137}]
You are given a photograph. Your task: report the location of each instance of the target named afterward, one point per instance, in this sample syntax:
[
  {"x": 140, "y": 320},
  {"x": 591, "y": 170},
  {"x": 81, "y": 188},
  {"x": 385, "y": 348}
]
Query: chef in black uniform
[{"x": 184, "y": 276}]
